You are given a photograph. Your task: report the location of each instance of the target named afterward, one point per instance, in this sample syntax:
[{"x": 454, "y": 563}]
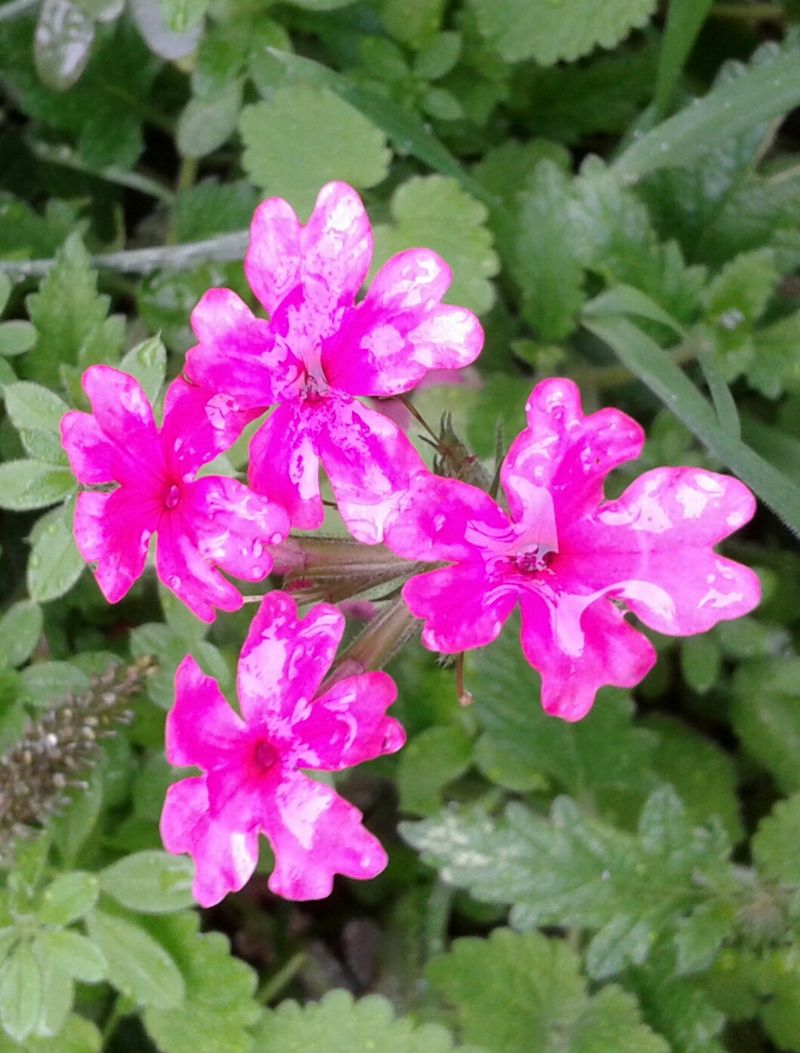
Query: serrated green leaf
[
  {"x": 147, "y": 362},
  {"x": 29, "y": 484},
  {"x": 150, "y": 882},
  {"x": 74, "y": 954},
  {"x": 701, "y": 934},
  {"x": 776, "y": 845},
  {"x": 550, "y": 32},
  {"x": 62, "y": 43},
  {"x": 766, "y": 717},
  {"x": 78, "y": 1035},
  {"x": 435, "y": 212},
  {"x": 20, "y": 992},
  {"x": 167, "y": 298},
  {"x": 220, "y": 1002},
  {"x": 211, "y": 207},
  {"x": 575, "y": 870},
  {"x": 33, "y": 407},
  {"x": 138, "y": 966},
  {"x": 532, "y": 996},
  {"x": 779, "y": 1014},
  {"x": 428, "y": 763},
  {"x": 338, "y": 1023},
  {"x": 16, "y": 337},
  {"x": 205, "y": 124},
  {"x": 20, "y": 629},
  {"x": 54, "y": 564},
  {"x": 68, "y": 898},
  {"x": 305, "y": 136}
]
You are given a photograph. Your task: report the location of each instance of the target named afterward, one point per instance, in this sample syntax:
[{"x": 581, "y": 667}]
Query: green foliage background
[{"x": 616, "y": 184}]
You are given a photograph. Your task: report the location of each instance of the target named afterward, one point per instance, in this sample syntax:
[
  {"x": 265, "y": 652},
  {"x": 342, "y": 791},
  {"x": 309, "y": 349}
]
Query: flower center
[
  {"x": 264, "y": 755},
  {"x": 172, "y": 497},
  {"x": 534, "y": 559}
]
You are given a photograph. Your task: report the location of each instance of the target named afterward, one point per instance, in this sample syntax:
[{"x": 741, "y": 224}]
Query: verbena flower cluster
[{"x": 575, "y": 562}]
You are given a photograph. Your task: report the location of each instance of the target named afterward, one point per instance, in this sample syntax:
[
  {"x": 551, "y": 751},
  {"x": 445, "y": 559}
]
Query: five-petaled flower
[
  {"x": 320, "y": 350},
  {"x": 251, "y": 780},
  {"x": 570, "y": 557},
  {"x": 201, "y": 524}
]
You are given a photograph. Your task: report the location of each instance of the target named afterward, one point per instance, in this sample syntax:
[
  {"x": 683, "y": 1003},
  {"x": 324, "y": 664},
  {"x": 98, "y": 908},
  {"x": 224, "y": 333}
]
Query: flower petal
[
  {"x": 565, "y": 452},
  {"x": 199, "y": 425},
  {"x": 445, "y": 519},
  {"x": 284, "y": 660},
  {"x": 237, "y": 353},
  {"x": 335, "y": 247},
  {"x": 315, "y": 834},
  {"x": 578, "y": 649},
  {"x": 461, "y": 607},
  {"x": 113, "y": 530},
  {"x": 370, "y": 464},
  {"x": 401, "y": 330},
  {"x": 233, "y": 526},
  {"x": 92, "y": 458},
  {"x": 125, "y": 418},
  {"x": 202, "y": 729},
  {"x": 347, "y": 725},
  {"x": 652, "y": 547},
  {"x": 188, "y": 573},
  {"x": 284, "y": 465},
  {"x": 224, "y": 859}
]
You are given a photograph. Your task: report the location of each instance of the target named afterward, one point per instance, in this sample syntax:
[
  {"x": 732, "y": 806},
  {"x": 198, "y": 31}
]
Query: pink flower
[
  {"x": 251, "y": 780},
  {"x": 569, "y": 557},
  {"x": 202, "y": 524},
  {"x": 320, "y": 349}
]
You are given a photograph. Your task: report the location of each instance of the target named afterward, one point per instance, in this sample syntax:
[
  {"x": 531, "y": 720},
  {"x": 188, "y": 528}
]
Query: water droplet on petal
[
  {"x": 174, "y": 581},
  {"x": 276, "y": 538}
]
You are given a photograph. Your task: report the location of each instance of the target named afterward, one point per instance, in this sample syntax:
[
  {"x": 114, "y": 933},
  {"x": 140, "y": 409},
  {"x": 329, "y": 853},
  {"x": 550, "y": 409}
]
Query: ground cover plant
[{"x": 400, "y": 489}]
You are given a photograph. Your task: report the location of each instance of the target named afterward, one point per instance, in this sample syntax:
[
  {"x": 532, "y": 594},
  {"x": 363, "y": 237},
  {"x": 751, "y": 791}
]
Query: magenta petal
[
  {"x": 284, "y": 465},
  {"x": 370, "y": 464},
  {"x": 579, "y": 651},
  {"x": 125, "y": 418},
  {"x": 237, "y": 353},
  {"x": 188, "y": 573},
  {"x": 348, "y": 724},
  {"x": 335, "y": 247},
  {"x": 461, "y": 607},
  {"x": 113, "y": 530},
  {"x": 315, "y": 834},
  {"x": 224, "y": 859},
  {"x": 233, "y": 526},
  {"x": 199, "y": 425},
  {"x": 566, "y": 452},
  {"x": 401, "y": 330},
  {"x": 92, "y": 458},
  {"x": 444, "y": 519},
  {"x": 202, "y": 729},
  {"x": 652, "y": 547},
  {"x": 284, "y": 660}
]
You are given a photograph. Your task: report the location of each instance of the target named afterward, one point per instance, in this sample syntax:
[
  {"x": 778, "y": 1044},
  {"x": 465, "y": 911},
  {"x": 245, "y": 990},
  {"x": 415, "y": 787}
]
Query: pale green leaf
[
  {"x": 20, "y": 992},
  {"x": 428, "y": 763},
  {"x": 33, "y": 407},
  {"x": 29, "y": 484},
  {"x": 550, "y": 32},
  {"x": 54, "y": 564},
  {"x": 305, "y": 136},
  {"x": 58, "y": 991},
  {"x": 434, "y": 212},
  {"x": 62, "y": 43},
  {"x": 67, "y": 898},
  {"x": 147, "y": 362},
  {"x": 16, "y": 337},
  {"x": 74, "y": 954},
  {"x": 684, "y": 21},
  {"x": 20, "y": 629},
  {"x": 150, "y": 882},
  {"x": 138, "y": 966},
  {"x": 205, "y": 124},
  {"x": 181, "y": 15},
  {"x": 776, "y": 845}
]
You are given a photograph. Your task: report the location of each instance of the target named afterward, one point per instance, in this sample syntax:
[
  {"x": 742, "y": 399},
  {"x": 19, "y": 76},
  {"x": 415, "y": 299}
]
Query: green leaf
[
  {"x": 28, "y": 484},
  {"x": 701, "y": 662},
  {"x": 138, "y": 966},
  {"x": 305, "y": 136},
  {"x": 779, "y": 1015},
  {"x": 33, "y": 407},
  {"x": 181, "y": 15},
  {"x": 20, "y": 629},
  {"x": 545, "y": 263},
  {"x": 20, "y": 992},
  {"x": 16, "y": 337},
  {"x": 43, "y": 683},
  {"x": 79, "y": 1035},
  {"x": 68, "y": 312},
  {"x": 337, "y": 1023},
  {"x": 428, "y": 763},
  {"x": 150, "y": 882},
  {"x": 762, "y": 93},
  {"x": 532, "y": 996},
  {"x": 220, "y": 1004},
  {"x": 147, "y": 362},
  {"x": 205, "y": 124},
  {"x": 776, "y": 845},
  {"x": 435, "y": 212},
  {"x": 68, "y": 898},
  {"x": 58, "y": 991},
  {"x": 551, "y": 32},
  {"x": 54, "y": 564},
  {"x": 604, "y": 761},
  {"x": 74, "y": 954},
  {"x": 210, "y": 207},
  {"x": 625, "y": 300},
  {"x": 62, "y": 43},
  {"x": 578, "y": 871},
  {"x": 701, "y": 934},
  {"x": 645, "y": 359},
  {"x": 685, "y": 19}
]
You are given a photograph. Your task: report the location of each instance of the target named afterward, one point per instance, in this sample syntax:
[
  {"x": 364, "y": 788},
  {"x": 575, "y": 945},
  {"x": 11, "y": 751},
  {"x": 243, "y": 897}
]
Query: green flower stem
[{"x": 276, "y": 984}]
